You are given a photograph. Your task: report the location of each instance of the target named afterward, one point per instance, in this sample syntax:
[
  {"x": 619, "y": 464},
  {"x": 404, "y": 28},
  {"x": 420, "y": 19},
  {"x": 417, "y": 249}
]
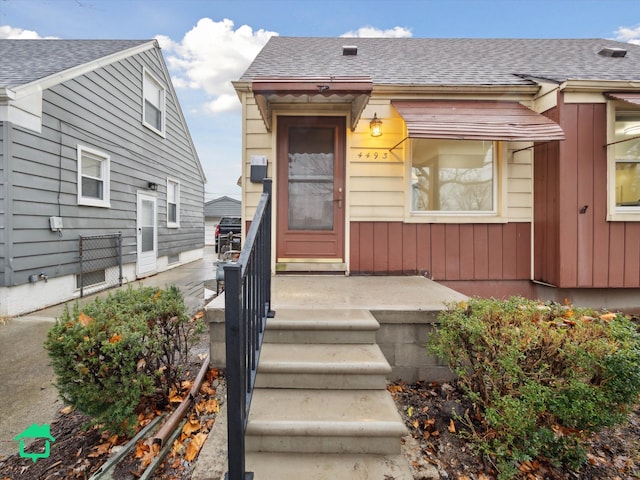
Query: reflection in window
[
  {"x": 311, "y": 178},
  {"x": 173, "y": 203},
  {"x": 627, "y": 157},
  {"x": 453, "y": 176},
  {"x": 154, "y": 103},
  {"x": 93, "y": 177}
]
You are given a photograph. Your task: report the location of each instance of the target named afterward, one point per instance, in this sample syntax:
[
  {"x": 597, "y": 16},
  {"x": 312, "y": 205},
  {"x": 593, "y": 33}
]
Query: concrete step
[
  {"x": 311, "y": 466},
  {"x": 324, "y": 421},
  {"x": 340, "y": 366},
  {"x": 321, "y": 326}
]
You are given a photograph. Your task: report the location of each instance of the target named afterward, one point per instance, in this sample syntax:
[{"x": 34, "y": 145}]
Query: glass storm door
[
  {"x": 311, "y": 164},
  {"x": 147, "y": 238}
]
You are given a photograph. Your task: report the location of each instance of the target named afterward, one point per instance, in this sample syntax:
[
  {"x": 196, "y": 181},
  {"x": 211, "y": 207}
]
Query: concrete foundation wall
[{"x": 402, "y": 337}]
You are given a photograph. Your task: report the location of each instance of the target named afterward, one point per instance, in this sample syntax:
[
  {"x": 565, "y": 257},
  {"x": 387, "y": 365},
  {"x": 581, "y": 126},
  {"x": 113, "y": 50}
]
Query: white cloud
[
  {"x": 9, "y": 32},
  {"x": 210, "y": 56},
  {"x": 369, "y": 31},
  {"x": 628, "y": 34}
]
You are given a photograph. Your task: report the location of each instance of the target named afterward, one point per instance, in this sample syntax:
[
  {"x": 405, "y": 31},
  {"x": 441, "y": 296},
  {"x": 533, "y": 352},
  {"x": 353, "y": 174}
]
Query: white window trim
[
  {"x": 615, "y": 213},
  {"x": 175, "y": 224},
  {"x": 105, "y": 202},
  {"x": 163, "y": 107},
  {"x": 499, "y": 196}
]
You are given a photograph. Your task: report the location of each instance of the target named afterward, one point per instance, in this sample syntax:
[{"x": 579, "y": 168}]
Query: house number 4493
[{"x": 373, "y": 155}]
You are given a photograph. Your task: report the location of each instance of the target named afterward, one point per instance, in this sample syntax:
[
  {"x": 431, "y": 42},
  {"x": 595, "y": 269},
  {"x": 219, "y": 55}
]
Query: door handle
[{"x": 339, "y": 199}]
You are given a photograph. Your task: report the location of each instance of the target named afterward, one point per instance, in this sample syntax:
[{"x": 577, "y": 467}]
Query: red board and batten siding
[
  {"x": 442, "y": 251},
  {"x": 573, "y": 249}
]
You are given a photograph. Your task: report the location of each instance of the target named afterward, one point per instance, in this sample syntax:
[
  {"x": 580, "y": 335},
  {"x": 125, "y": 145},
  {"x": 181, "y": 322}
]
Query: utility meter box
[
  {"x": 55, "y": 223},
  {"x": 258, "y": 168}
]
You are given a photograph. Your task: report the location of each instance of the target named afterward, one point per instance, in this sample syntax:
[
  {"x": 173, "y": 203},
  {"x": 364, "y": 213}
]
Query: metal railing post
[
  {"x": 236, "y": 363},
  {"x": 247, "y": 284}
]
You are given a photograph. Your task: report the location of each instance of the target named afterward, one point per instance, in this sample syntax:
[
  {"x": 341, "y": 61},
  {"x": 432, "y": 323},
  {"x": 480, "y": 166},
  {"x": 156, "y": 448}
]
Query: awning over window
[
  {"x": 632, "y": 98},
  {"x": 352, "y": 92},
  {"x": 476, "y": 120}
]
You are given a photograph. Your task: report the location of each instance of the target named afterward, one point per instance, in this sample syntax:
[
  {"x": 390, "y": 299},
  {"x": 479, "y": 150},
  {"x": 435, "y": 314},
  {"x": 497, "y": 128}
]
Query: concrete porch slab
[{"x": 379, "y": 293}]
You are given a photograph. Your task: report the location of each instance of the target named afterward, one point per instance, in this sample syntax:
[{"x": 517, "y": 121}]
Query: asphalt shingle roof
[
  {"x": 439, "y": 61},
  {"x": 25, "y": 61}
]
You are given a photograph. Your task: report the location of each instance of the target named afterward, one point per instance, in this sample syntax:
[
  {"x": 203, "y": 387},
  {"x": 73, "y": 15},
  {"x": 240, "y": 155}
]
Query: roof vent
[
  {"x": 349, "y": 50},
  {"x": 612, "y": 52}
]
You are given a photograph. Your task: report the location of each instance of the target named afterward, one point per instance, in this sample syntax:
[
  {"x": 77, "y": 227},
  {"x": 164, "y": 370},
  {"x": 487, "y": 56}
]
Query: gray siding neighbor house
[{"x": 96, "y": 161}]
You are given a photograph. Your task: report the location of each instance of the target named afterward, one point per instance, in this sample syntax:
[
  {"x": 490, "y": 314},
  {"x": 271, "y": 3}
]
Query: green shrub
[
  {"x": 117, "y": 352},
  {"x": 542, "y": 376}
]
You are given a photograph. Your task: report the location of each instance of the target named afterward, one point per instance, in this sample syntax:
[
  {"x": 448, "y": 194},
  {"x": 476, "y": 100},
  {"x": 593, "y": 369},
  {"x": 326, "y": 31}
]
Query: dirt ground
[{"x": 613, "y": 454}]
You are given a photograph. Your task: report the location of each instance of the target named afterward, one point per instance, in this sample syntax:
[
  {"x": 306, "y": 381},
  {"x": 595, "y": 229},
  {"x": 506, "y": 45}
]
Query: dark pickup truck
[{"x": 226, "y": 226}]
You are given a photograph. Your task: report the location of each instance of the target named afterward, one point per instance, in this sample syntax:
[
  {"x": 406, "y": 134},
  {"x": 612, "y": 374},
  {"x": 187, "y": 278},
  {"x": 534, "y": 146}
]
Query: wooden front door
[{"x": 311, "y": 200}]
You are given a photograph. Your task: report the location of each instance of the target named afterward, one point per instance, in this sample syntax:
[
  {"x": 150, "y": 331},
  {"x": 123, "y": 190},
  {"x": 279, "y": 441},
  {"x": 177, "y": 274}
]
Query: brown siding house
[{"x": 494, "y": 166}]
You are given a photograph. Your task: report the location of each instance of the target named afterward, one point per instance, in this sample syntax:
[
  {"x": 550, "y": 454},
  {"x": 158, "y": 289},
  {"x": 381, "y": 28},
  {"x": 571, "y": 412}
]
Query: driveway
[{"x": 27, "y": 391}]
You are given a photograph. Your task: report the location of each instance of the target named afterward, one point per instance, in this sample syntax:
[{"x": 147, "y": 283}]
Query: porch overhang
[
  {"x": 351, "y": 92},
  {"x": 632, "y": 98},
  {"x": 476, "y": 120}
]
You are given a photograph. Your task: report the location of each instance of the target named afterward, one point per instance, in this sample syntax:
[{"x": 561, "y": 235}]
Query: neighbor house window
[
  {"x": 453, "y": 176},
  {"x": 626, "y": 152},
  {"x": 93, "y": 178},
  {"x": 173, "y": 203},
  {"x": 154, "y": 103}
]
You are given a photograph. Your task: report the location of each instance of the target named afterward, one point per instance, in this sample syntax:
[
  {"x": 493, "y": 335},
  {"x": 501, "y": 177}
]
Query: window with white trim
[
  {"x": 173, "y": 203},
  {"x": 93, "y": 178},
  {"x": 625, "y": 177},
  {"x": 153, "y": 110},
  {"x": 454, "y": 176}
]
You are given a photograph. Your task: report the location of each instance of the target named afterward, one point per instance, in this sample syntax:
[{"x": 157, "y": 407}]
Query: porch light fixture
[
  {"x": 152, "y": 186},
  {"x": 374, "y": 126}
]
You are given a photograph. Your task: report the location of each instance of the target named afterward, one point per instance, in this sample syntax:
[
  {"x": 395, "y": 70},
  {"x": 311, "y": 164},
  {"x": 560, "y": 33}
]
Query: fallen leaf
[
  {"x": 394, "y": 388},
  {"x": 194, "y": 446},
  {"x": 206, "y": 389},
  {"x": 178, "y": 447},
  {"x": 141, "y": 364},
  {"x": 186, "y": 385},
  {"x": 115, "y": 338},
  {"x": 67, "y": 410},
  {"x": 84, "y": 319},
  {"x": 146, "y": 453},
  {"x": 100, "y": 450},
  {"x": 452, "y": 427},
  {"x": 212, "y": 406},
  {"x": 607, "y": 317},
  {"x": 174, "y": 396},
  {"x": 410, "y": 411},
  {"x": 212, "y": 374},
  {"x": 191, "y": 426}
]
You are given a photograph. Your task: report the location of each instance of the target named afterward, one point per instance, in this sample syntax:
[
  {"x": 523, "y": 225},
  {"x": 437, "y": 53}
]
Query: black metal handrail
[{"x": 247, "y": 285}]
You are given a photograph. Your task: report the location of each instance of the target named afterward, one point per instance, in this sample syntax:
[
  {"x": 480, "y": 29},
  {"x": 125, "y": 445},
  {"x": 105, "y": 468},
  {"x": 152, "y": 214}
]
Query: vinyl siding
[{"x": 101, "y": 110}]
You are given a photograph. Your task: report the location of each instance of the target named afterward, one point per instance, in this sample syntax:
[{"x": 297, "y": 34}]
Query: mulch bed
[{"x": 436, "y": 443}]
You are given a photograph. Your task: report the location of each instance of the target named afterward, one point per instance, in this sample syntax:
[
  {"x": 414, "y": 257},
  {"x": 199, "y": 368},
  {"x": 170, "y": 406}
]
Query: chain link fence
[{"x": 100, "y": 262}]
